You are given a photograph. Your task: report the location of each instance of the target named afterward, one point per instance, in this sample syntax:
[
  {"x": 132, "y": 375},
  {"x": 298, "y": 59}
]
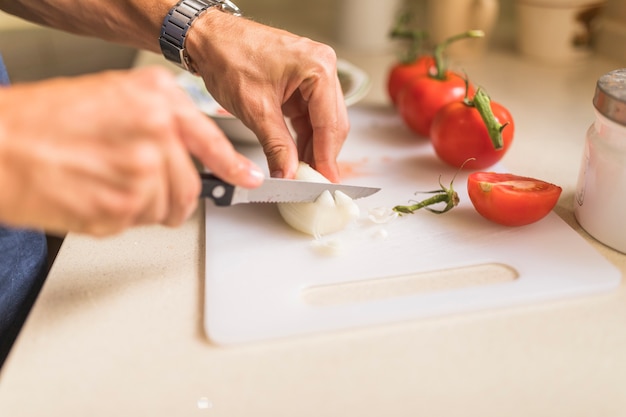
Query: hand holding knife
[{"x": 274, "y": 190}]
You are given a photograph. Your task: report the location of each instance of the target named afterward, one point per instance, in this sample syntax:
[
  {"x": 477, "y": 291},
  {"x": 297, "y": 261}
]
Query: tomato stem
[
  {"x": 400, "y": 30},
  {"x": 440, "y": 62},
  {"x": 482, "y": 102},
  {"x": 416, "y": 37},
  {"x": 442, "y": 195}
]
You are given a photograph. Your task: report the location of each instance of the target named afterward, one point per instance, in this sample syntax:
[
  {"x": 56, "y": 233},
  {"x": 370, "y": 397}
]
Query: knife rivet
[{"x": 218, "y": 191}]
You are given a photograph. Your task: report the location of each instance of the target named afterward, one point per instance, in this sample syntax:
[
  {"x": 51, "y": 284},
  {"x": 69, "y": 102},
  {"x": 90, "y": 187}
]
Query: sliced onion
[
  {"x": 381, "y": 215},
  {"x": 328, "y": 214}
]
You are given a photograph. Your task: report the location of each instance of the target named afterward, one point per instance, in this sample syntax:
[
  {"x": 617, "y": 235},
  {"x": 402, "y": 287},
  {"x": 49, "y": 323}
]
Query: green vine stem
[
  {"x": 440, "y": 62},
  {"x": 400, "y": 31},
  {"x": 442, "y": 195},
  {"x": 415, "y": 38},
  {"x": 482, "y": 102}
]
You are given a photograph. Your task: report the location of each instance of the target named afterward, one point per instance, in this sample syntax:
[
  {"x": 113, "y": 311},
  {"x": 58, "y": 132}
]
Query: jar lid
[{"x": 610, "y": 97}]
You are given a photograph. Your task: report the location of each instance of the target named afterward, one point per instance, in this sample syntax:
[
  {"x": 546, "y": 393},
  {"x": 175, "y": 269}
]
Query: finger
[
  {"x": 297, "y": 110},
  {"x": 329, "y": 122},
  {"x": 209, "y": 144},
  {"x": 184, "y": 186},
  {"x": 264, "y": 114},
  {"x": 202, "y": 138},
  {"x": 147, "y": 188},
  {"x": 278, "y": 145},
  {"x": 304, "y": 131},
  {"x": 327, "y": 148}
]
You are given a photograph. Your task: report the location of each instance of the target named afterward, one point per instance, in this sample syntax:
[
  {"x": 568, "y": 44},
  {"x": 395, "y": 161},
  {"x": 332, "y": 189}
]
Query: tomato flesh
[{"x": 511, "y": 200}]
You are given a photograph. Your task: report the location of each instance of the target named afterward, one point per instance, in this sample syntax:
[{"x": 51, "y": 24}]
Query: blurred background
[{"x": 357, "y": 26}]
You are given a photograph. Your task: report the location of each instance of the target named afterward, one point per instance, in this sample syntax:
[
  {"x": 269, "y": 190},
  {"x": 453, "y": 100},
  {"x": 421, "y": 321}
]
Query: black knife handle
[{"x": 217, "y": 190}]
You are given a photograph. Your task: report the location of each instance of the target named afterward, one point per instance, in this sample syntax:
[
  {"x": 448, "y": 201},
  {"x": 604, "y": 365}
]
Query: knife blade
[{"x": 274, "y": 190}]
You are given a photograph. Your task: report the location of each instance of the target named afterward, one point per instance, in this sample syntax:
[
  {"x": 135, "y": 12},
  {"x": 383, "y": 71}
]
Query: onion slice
[{"x": 328, "y": 214}]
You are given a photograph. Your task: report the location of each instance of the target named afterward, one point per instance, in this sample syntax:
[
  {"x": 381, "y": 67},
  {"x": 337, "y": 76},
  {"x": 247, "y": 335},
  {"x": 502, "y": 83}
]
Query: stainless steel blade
[{"x": 276, "y": 190}]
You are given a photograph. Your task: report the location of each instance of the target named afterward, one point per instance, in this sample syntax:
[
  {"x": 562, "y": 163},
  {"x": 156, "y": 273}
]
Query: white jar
[{"x": 600, "y": 204}]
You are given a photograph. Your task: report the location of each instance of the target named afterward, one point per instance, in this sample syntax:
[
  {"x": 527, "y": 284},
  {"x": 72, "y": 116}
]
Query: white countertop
[{"x": 118, "y": 327}]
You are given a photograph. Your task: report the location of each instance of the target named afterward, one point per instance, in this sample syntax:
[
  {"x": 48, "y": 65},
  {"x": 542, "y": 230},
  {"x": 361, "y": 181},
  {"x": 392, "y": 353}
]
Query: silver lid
[{"x": 610, "y": 97}]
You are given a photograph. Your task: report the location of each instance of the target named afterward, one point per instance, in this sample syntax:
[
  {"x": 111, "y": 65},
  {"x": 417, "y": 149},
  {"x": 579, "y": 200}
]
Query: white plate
[{"x": 354, "y": 81}]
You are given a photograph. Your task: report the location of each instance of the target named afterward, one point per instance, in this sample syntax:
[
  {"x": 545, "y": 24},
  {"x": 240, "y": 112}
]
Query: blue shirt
[
  {"x": 4, "y": 76},
  {"x": 23, "y": 268}
]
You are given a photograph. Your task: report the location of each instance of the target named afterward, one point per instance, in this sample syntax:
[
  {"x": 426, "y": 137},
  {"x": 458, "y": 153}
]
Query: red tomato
[
  {"x": 423, "y": 97},
  {"x": 458, "y": 133},
  {"x": 511, "y": 200},
  {"x": 401, "y": 73}
]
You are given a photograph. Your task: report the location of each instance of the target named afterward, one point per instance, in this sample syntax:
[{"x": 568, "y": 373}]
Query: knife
[{"x": 274, "y": 190}]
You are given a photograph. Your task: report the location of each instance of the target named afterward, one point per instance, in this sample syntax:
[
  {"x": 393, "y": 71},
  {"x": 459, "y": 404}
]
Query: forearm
[
  {"x": 259, "y": 73},
  {"x": 135, "y": 23}
]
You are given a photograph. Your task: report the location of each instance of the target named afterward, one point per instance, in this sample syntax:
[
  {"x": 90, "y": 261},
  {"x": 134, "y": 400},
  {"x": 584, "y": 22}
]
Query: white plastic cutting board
[{"x": 258, "y": 269}]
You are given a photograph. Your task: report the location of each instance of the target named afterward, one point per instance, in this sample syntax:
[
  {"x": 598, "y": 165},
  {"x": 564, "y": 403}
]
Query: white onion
[
  {"x": 381, "y": 215},
  {"x": 328, "y": 214}
]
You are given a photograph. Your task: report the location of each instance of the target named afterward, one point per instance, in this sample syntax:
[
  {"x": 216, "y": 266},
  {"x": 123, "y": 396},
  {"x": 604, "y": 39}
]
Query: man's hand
[
  {"x": 262, "y": 75},
  {"x": 100, "y": 153}
]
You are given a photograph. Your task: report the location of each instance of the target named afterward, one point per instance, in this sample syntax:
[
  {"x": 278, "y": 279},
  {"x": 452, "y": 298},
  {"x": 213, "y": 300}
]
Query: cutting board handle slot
[{"x": 409, "y": 284}]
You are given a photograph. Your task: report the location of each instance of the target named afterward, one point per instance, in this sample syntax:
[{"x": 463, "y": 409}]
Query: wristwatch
[{"x": 177, "y": 23}]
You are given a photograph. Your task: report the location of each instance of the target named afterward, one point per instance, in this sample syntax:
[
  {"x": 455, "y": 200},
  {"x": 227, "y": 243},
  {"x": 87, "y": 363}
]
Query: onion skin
[{"x": 328, "y": 214}]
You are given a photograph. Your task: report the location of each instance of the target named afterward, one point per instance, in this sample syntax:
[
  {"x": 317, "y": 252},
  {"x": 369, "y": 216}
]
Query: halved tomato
[{"x": 511, "y": 200}]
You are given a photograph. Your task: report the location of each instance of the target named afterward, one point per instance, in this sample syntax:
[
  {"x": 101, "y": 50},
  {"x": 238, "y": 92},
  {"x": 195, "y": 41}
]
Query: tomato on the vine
[
  {"x": 423, "y": 96},
  {"x": 511, "y": 200},
  {"x": 474, "y": 134},
  {"x": 401, "y": 73},
  {"x": 412, "y": 62}
]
